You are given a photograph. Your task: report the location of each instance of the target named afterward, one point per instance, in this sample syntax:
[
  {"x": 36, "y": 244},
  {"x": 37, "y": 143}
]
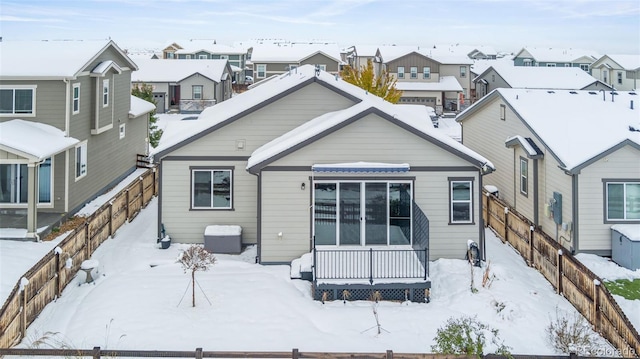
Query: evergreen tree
[
  {"x": 365, "y": 77},
  {"x": 145, "y": 92}
]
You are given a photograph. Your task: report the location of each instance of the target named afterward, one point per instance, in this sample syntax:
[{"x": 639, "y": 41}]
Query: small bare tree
[{"x": 196, "y": 258}]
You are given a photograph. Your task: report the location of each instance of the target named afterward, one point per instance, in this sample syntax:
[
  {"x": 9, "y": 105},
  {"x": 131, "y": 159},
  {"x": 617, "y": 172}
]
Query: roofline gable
[
  {"x": 319, "y": 52},
  {"x": 411, "y": 53},
  {"x": 578, "y": 168},
  {"x": 131, "y": 64},
  {"x": 370, "y": 110}
]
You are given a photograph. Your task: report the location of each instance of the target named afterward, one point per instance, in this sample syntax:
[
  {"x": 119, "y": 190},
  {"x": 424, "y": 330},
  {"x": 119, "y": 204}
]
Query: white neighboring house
[
  {"x": 270, "y": 59},
  {"x": 185, "y": 86},
  {"x": 569, "y": 161},
  {"x": 620, "y": 71},
  {"x": 550, "y": 78}
]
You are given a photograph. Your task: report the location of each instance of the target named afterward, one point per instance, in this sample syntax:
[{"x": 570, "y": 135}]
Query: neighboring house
[
  {"x": 441, "y": 82},
  {"x": 270, "y": 59},
  {"x": 307, "y": 162},
  {"x": 549, "y": 57},
  {"x": 551, "y": 78},
  {"x": 569, "y": 161},
  {"x": 69, "y": 128},
  {"x": 470, "y": 51},
  {"x": 185, "y": 86},
  {"x": 357, "y": 57},
  {"x": 620, "y": 71},
  {"x": 169, "y": 52}
]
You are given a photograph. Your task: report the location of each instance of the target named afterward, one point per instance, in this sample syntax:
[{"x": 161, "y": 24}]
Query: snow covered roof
[
  {"x": 292, "y": 52},
  {"x": 558, "y": 55},
  {"x": 210, "y": 46},
  {"x": 578, "y": 127},
  {"x": 480, "y": 66},
  {"x": 534, "y": 77},
  {"x": 140, "y": 107},
  {"x": 628, "y": 62},
  {"x": 463, "y": 50},
  {"x": 392, "y": 52},
  {"x": 361, "y": 167},
  {"x": 446, "y": 83},
  {"x": 156, "y": 70},
  {"x": 227, "y": 111},
  {"x": 527, "y": 144},
  {"x": 33, "y": 140},
  {"x": 50, "y": 59},
  {"x": 366, "y": 50}
]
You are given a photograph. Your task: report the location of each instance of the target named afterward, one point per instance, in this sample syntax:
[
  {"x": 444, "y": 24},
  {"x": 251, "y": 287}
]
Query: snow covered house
[
  {"x": 425, "y": 78},
  {"x": 550, "y": 78},
  {"x": 307, "y": 163},
  {"x": 620, "y": 71},
  {"x": 569, "y": 161},
  {"x": 270, "y": 59},
  {"x": 185, "y": 86},
  {"x": 550, "y": 57},
  {"x": 69, "y": 128}
]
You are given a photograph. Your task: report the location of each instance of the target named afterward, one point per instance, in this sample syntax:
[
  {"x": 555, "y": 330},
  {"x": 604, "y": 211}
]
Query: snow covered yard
[{"x": 137, "y": 302}]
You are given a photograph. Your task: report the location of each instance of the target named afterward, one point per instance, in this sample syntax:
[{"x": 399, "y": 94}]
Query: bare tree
[{"x": 196, "y": 258}]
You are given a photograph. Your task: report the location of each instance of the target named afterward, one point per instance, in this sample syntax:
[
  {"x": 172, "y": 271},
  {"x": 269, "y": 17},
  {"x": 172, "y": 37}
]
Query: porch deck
[{"x": 387, "y": 273}]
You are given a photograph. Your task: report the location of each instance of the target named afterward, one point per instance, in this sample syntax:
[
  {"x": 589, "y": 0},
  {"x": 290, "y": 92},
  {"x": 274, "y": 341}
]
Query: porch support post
[
  {"x": 32, "y": 201},
  {"x": 370, "y": 265}
]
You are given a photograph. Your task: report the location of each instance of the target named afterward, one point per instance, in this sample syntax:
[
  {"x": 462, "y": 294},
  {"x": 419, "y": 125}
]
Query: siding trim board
[
  {"x": 371, "y": 110},
  {"x": 248, "y": 111},
  {"x": 575, "y": 214}
]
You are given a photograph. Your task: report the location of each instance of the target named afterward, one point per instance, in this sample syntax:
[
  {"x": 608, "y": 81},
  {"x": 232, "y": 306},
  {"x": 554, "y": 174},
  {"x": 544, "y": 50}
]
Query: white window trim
[
  {"x": 33, "y": 100},
  {"x": 322, "y": 67},
  {"x": 122, "y": 130},
  {"x": 624, "y": 204},
  {"x": 414, "y": 74},
  {"x": 105, "y": 95},
  {"x": 211, "y": 170},
  {"x": 203, "y": 57},
  {"x": 524, "y": 164},
  {"x": 193, "y": 92},
  {"x": 264, "y": 71},
  {"x": 73, "y": 99},
  {"x": 400, "y": 73},
  {"x": 83, "y": 160},
  {"x": 452, "y": 201},
  {"x": 463, "y": 71},
  {"x": 426, "y": 74},
  {"x": 39, "y": 204}
]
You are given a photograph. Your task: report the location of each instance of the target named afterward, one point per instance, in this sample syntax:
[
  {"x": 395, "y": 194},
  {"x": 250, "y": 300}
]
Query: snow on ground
[
  {"x": 608, "y": 270},
  {"x": 141, "y": 300}
]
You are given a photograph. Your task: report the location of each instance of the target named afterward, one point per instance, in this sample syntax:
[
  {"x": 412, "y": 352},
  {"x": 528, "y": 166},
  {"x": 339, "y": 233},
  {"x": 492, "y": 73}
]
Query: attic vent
[
  {"x": 551, "y": 92},
  {"x": 573, "y": 92},
  {"x": 592, "y": 93}
]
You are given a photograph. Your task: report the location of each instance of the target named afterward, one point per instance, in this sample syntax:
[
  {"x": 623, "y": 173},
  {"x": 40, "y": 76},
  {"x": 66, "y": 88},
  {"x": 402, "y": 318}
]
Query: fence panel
[
  {"x": 148, "y": 187},
  {"x": 579, "y": 276},
  {"x": 118, "y": 211},
  {"x": 578, "y": 299},
  {"x": 46, "y": 294},
  {"x": 518, "y": 233},
  {"x": 611, "y": 312},
  {"x": 10, "y": 318},
  {"x": 135, "y": 200}
]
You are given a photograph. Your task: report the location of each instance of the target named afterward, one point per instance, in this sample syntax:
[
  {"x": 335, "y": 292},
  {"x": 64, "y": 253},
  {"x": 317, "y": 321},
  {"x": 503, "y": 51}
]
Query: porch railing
[{"x": 370, "y": 264}]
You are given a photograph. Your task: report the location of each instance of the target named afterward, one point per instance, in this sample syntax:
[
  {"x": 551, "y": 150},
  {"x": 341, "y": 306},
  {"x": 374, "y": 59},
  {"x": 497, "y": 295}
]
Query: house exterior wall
[
  {"x": 416, "y": 60},
  {"x": 370, "y": 139},
  {"x": 630, "y": 79},
  {"x": 254, "y": 130},
  {"x": 594, "y": 230},
  {"x": 519, "y": 60},
  {"x": 454, "y": 70},
  {"x": 50, "y": 104},
  {"x": 320, "y": 59},
  {"x": 208, "y": 87},
  {"x": 485, "y": 133},
  {"x": 494, "y": 81}
]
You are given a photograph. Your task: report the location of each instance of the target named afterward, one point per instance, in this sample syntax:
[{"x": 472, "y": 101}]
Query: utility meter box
[{"x": 556, "y": 207}]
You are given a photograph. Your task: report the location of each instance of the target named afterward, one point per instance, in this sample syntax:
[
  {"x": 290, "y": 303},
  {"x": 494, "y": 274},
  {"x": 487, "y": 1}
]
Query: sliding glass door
[{"x": 362, "y": 213}]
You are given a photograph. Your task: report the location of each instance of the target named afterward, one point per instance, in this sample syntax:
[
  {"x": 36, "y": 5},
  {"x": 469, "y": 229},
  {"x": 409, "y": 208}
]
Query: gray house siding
[
  {"x": 410, "y": 60},
  {"x": 320, "y": 59},
  {"x": 50, "y": 106}
]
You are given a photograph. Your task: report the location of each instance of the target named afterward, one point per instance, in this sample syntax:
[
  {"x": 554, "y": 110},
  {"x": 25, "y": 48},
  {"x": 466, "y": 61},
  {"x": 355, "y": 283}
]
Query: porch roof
[
  {"x": 361, "y": 167},
  {"x": 32, "y": 140}
]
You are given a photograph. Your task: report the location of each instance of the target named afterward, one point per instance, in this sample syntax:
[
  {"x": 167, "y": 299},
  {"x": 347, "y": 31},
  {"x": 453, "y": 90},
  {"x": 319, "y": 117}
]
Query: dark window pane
[
  {"x": 350, "y": 213},
  {"x": 461, "y": 212},
  {"x": 24, "y": 101},
  {"x": 6, "y": 101},
  {"x": 461, "y": 191},
  {"x": 325, "y": 213},
  {"x": 615, "y": 201},
  {"x": 222, "y": 189},
  {"x": 633, "y": 200},
  {"x": 202, "y": 188}
]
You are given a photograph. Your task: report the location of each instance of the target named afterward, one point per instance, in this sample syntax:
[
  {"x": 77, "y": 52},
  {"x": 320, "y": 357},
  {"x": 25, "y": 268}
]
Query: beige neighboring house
[
  {"x": 619, "y": 71},
  {"x": 270, "y": 59},
  {"x": 309, "y": 164},
  {"x": 550, "y": 78},
  {"x": 185, "y": 86},
  {"x": 555, "y": 57},
  {"x": 357, "y": 57},
  {"x": 569, "y": 161}
]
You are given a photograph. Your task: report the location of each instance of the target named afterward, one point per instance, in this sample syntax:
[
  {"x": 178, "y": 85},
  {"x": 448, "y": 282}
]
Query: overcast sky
[{"x": 606, "y": 26}]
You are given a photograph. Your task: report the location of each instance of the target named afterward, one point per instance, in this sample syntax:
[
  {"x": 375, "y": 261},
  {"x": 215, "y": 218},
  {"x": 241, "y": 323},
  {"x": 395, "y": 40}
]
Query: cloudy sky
[{"x": 606, "y": 26}]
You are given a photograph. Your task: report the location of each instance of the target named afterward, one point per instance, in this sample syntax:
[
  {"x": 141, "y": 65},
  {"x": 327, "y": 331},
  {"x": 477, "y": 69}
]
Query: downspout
[
  {"x": 259, "y": 218},
  {"x": 575, "y": 213},
  {"x": 483, "y": 249},
  {"x": 536, "y": 205},
  {"x": 67, "y": 123},
  {"x": 159, "y": 224}
]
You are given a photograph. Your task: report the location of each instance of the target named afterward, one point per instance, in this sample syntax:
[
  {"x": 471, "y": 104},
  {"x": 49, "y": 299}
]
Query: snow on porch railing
[{"x": 370, "y": 264}]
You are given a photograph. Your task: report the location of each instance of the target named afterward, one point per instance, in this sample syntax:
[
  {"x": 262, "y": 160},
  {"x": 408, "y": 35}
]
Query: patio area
[{"x": 13, "y": 224}]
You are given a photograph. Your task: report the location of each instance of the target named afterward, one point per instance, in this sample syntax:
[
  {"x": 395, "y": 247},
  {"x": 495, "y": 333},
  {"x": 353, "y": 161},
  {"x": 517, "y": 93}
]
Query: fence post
[
  {"x": 58, "y": 252},
  {"x": 87, "y": 241},
  {"x": 23, "y": 312},
  {"x": 370, "y": 265},
  {"x": 506, "y": 225},
  {"x": 198, "y": 353},
  {"x": 96, "y": 352},
  {"x": 110, "y": 219},
  {"x": 595, "y": 308},
  {"x": 389, "y": 354},
  {"x": 559, "y": 271},
  {"x": 295, "y": 354},
  {"x": 127, "y": 198}
]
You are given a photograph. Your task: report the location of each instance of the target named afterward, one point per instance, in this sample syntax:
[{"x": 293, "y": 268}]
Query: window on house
[
  {"x": 14, "y": 179},
  {"x": 81, "y": 160},
  {"x": 123, "y": 129},
  {"x": 463, "y": 71},
  {"x": 551, "y": 65},
  {"x": 619, "y": 78},
  {"x": 170, "y": 55},
  {"x": 524, "y": 176},
  {"x": 623, "y": 201},
  {"x": 585, "y": 67},
  {"x": 493, "y": 78},
  {"x": 105, "y": 93},
  {"x": 400, "y": 72},
  {"x": 414, "y": 72},
  {"x": 605, "y": 76},
  {"x": 426, "y": 72},
  {"x": 567, "y": 65},
  {"x": 17, "y": 101},
  {"x": 503, "y": 112},
  {"x": 76, "y": 98},
  {"x": 187, "y": 56},
  {"x": 261, "y": 71},
  {"x": 461, "y": 200},
  {"x": 211, "y": 189},
  {"x": 203, "y": 57},
  {"x": 322, "y": 67},
  {"x": 197, "y": 92}
]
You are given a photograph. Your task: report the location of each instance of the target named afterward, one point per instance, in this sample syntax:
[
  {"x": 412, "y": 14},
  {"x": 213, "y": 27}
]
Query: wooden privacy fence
[
  {"x": 46, "y": 280},
  {"x": 97, "y": 353},
  {"x": 569, "y": 277}
]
